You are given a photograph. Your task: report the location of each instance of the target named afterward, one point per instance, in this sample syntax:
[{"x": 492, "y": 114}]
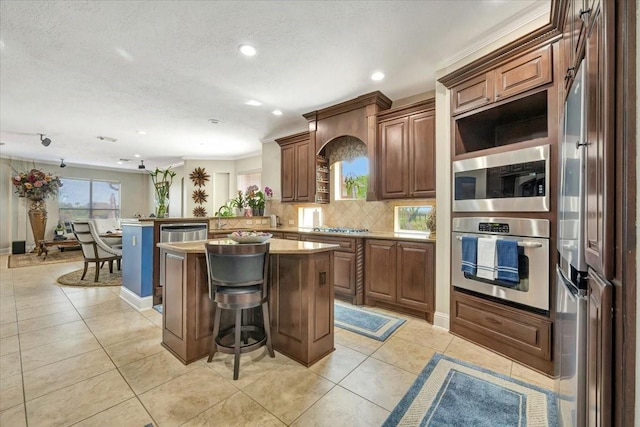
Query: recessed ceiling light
[
  {"x": 214, "y": 121},
  {"x": 277, "y": 112},
  {"x": 141, "y": 132},
  {"x": 247, "y": 50},
  {"x": 377, "y": 76},
  {"x": 136, "y": 155},
  {"x": 120, "y": 163},
  {"x": 253, "y": 102}
]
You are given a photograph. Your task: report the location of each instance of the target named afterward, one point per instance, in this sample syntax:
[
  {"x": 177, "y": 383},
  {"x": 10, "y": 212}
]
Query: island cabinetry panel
[
  {"x": 186, "y": 307},
  {"x": 301, "y": 305},
  {"x": 515, "y": 333},
  {"x": 407, "y": 152},
  {"x": 300, "y": 300},
  {"x": 297, "y": 168},
  {"x": 348, "y": 272},
  {"x": 401, "y": 274}
]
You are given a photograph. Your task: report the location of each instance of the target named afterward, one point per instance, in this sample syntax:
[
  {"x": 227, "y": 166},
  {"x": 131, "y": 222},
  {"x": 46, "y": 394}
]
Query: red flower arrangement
[{"x": 35, "y": 184}]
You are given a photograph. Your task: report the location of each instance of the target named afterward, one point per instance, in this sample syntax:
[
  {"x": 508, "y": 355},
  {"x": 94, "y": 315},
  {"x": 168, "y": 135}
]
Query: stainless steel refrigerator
[{"x": 570, "y": 349}]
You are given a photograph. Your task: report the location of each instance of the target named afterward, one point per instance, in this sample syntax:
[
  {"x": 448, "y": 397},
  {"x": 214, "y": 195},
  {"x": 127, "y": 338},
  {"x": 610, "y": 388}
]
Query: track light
[
  {"x": 62, "y": 163},
  {"x": 141, "y": 165},
  {"x": 45, "y": 141}
]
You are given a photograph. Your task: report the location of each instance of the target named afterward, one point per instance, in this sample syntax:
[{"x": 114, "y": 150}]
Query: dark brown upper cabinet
[
  {"x": 297, "y": 168},
  {"x": 406, "y": 165},
  {"x": 514, "y": 101},
  {"x": 524, "y": 73},
  {"x": 579, "y": 15},
  {"x": 473, "y": 93},
  {"x": 519, "y": 75},
  {"x": 600, "y": 140}
]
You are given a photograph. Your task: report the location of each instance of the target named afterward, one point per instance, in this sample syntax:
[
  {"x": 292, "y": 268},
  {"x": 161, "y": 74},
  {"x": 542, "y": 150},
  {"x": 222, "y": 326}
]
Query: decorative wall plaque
[{"x": 199, "y": 176}]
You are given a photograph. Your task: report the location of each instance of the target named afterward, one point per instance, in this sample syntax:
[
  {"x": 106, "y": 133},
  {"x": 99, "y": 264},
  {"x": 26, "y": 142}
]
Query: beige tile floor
[{"x": 81, "y": 356}]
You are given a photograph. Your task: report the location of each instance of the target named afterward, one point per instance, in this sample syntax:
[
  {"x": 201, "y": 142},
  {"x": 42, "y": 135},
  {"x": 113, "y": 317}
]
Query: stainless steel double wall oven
[{"x": 532, "y": 237}]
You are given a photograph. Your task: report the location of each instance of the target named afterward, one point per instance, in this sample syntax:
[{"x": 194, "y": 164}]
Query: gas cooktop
[{"x": 340, "y": 230}]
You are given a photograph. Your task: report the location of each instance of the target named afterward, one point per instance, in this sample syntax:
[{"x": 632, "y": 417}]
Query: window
[
  {"x": 351, "y": 177},
  {"x": 249, "y": 178},
  {"x": 411, "y": 219},
  {"x": 309, "y": 217},
  {"x": 88, "y": 198}
]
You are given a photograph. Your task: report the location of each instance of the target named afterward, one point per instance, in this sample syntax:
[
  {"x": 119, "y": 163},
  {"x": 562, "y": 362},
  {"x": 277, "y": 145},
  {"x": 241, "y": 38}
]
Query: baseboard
[
  {"x": 441, "y": 320},
  {"x": 136, "y": 301}
]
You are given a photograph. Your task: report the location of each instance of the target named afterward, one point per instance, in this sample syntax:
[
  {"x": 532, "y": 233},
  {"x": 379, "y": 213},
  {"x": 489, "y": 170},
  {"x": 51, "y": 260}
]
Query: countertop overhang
[{"x": 276, "y": 246}]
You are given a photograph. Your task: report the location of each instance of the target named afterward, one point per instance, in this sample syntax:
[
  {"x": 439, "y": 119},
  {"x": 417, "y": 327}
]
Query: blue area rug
[
  {"x": 365, "y": 322},
  {"x": 158, "y": 308},
  {"x": 450, "y": 393}
]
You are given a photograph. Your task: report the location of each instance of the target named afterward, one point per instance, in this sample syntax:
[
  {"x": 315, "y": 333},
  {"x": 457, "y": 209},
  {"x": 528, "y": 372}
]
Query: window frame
[
  {"x": 396, "y": 220},
  {"x": 91, "y": 209}
]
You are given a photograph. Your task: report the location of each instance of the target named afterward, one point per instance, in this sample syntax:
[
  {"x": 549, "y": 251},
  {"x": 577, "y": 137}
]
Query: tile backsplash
[{"x": 374, "y": 216}]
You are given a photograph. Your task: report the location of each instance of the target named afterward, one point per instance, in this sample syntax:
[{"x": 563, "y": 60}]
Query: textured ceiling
[{"x": 77, "y": 70}]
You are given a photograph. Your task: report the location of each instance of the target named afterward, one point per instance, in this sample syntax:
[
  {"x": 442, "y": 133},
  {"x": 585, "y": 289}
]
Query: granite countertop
[
  {"x": 367, "y": 235},
  {"x": 276, "y": 246}
]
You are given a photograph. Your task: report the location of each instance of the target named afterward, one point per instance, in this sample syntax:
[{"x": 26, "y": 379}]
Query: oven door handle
[{"x": 524, "y": 243}]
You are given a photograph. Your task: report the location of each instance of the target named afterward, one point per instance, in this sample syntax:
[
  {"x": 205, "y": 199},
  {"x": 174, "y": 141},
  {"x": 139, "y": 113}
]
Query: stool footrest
[{"x": 253, "y": 330}]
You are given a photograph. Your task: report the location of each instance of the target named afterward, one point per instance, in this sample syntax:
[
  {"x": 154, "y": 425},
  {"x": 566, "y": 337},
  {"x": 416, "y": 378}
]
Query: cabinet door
[
  {"x": 600, "y": 176},
  {"x": 344, "y": 273},
  {"x": 472, "y": 93},
  {"x": 415, "y": 275},
  {"x": 599, "y": 360},
  {"x": 303, "y": 172},
  {"x": 567, "y": 46},
  {"x": 288, "y": 173},
  {"x": 422, "y": 159},
  {"x": 380, "y": 270},
  {"x": 524, "y": 73},
  {"x": 394, "y": 148}
]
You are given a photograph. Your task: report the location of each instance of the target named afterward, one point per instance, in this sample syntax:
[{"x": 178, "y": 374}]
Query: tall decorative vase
[
  {"x": 38, "y": 219},
  {"x": 162, "y": 206}
]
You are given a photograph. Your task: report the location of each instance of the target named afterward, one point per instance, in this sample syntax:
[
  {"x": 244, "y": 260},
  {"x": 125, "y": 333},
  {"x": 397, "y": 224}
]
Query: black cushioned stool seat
[{"x": 238, "y": 281}]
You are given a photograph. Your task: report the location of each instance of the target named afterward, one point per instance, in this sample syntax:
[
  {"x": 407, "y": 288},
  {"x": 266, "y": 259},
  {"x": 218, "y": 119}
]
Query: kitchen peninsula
[{"x": 300, "y": 299}]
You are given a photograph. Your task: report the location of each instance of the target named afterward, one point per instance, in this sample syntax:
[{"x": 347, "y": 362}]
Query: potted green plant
[
  {"x": 162, "y": 180},
  {"x": 238, "y": 203},
  {"x": 351, "y": 185},
  {"x": 255, "y": 200},
  {"x": 430, "y": 222}
]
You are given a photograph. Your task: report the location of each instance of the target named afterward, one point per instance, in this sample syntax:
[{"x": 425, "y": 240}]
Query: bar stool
[{"x": 238, "y": 281}]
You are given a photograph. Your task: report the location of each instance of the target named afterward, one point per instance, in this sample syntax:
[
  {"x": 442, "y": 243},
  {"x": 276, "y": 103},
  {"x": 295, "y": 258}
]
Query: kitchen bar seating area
[
  {"x": 301, "y": 239},
  {"x": 102, "y": 360}
]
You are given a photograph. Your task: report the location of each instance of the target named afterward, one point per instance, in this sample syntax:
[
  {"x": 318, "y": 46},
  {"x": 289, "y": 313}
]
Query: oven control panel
[{"x": 493, "y": 227}]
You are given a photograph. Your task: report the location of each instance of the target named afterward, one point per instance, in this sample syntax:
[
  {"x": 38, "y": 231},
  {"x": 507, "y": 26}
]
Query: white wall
[
  {"x": 14, "y": 224},
  {"x": 271, "y": 168},
  {"x": 211, "y": 167}
]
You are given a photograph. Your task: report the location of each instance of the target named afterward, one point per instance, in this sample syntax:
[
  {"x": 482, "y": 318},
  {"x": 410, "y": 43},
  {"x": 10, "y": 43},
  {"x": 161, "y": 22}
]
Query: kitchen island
[{"x": 300, "y": 299}]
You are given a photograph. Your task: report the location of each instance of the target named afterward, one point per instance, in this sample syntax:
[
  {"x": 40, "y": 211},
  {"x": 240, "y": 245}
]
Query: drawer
[
  {"x": 346, "y": 244},
  {"x": 509, "y": 326}
]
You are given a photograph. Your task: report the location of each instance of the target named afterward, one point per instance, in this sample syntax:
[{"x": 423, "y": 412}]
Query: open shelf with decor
[{"x": 322, "y": 179}]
